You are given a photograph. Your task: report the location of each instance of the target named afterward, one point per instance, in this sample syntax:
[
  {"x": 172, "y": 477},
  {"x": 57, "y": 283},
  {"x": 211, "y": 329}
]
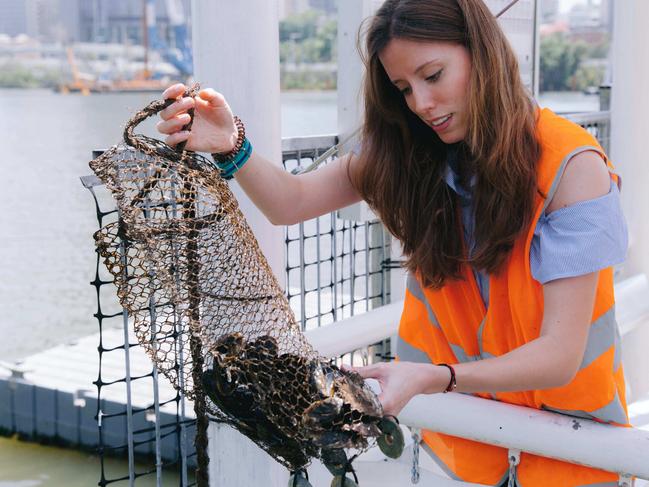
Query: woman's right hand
[{"x": 213, "y": 129}]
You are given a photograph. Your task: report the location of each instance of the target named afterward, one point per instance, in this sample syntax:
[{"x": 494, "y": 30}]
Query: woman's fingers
[
  {"x": 180, "y": 106},
  {"x": 173, "y": 124},
  {"x": 177, "y": 138},
  {"x": 212, "y": 97},
  {"x": 174, "y": 91},
  {"x": 374, "y": 371}
]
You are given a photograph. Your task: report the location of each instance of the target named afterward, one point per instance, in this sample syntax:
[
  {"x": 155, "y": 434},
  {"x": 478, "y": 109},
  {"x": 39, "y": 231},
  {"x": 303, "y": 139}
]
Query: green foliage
[
  {"x": 15, "y": 75},
  {"x": 299, "y": 27},
  {"x": 308, "y": 80},
  {"x": 308, "y": 38},
  {"x": 587, "y": 76},
  {"x": 562, "y": 63},
  {"x": 559, "y": 60},
  {"x": 601, "y": 49}
]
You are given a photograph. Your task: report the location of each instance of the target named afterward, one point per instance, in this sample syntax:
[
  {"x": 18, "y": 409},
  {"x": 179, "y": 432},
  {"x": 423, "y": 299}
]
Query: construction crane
[
  {"x": 179, "y": 56},
  {"x": 81, "y": 83}
]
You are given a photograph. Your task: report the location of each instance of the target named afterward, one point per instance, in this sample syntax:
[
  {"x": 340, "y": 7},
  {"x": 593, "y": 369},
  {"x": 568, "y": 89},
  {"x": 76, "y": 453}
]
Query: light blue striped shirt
[{"x": 572, "y": 241}]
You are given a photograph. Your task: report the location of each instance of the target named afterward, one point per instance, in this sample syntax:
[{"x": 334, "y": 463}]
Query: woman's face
[{"x": 434, "y": 80}]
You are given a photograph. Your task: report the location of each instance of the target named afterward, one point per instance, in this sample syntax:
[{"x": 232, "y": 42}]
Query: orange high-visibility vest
[{"x": 451, "y": 325}]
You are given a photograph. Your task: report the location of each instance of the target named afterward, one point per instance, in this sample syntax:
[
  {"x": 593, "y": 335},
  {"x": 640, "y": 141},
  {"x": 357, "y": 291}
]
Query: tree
[
  {"x": 564, "y": 66},
  {"x": 307, "y": 38},
  {"x": 559, "y": 61}
]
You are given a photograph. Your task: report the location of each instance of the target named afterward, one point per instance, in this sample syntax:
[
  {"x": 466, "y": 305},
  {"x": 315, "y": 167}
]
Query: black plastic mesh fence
[
  {"x": 140, "y": 417},
  {"x": 336, "y": 265}
]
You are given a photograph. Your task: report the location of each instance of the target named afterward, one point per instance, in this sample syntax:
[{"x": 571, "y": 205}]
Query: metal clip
[
  {"x": 416, "y": 440},
  {"x": 625, "y": 480},
  {"x": 514, "y": 457},
  {"x": 365, "y": 356}
]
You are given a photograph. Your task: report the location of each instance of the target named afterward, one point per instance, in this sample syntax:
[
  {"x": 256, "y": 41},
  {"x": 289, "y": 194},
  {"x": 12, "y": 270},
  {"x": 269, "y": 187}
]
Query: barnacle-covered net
[
  {"x": 189, "y": 251},
  {"x": 209, "y": 311}
]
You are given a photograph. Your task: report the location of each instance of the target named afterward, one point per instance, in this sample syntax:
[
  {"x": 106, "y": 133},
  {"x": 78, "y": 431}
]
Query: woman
[{"x": 509, "y": 218}]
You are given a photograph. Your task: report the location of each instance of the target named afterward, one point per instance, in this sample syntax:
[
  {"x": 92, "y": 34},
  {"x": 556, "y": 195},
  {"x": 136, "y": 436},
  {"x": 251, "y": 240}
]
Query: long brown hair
[{"x": 400, "y": 170}]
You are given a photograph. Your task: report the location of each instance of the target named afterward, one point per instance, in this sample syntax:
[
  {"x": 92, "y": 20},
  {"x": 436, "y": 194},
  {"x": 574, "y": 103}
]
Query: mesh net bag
[{"x": 211, "y": 315}]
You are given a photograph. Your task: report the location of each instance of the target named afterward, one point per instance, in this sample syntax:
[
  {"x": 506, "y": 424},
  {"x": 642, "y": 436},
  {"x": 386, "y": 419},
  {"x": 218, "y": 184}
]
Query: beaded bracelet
[
  {"x": 230, "y": 162},
  {"x": 452, "y": 384}
]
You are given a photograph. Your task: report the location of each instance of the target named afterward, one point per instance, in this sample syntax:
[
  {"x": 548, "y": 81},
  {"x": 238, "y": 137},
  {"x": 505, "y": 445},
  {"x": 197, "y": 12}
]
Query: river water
[{"x": 47, "y": 219}]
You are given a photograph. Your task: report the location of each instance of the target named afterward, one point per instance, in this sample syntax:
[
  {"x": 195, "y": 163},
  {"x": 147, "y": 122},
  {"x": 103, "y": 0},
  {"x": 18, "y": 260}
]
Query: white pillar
[
  {"x": 236, "y": 52},
  {"x": 630, "y": 123},
  {"x": 350, "y": 67}
]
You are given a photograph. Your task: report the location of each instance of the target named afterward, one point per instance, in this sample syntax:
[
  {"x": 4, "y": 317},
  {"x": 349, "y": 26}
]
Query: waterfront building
[{"x": 19, "y": 17}]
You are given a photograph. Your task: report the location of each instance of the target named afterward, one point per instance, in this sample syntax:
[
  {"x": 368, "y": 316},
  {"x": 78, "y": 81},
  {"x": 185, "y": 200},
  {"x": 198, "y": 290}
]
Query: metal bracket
[
  {"x": 17, "y": 370},
  {"x": 625, "y": 480}
]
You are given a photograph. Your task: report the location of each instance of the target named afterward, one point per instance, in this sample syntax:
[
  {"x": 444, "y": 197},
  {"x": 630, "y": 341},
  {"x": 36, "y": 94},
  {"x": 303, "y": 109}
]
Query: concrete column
[
  {"x": 236, "y": 52},
  {"x": 630, "y": 124}
]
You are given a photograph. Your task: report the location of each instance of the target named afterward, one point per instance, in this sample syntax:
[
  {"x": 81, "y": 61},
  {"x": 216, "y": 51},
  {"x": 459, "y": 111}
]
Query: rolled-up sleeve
[{"x": 579, "y": 239}]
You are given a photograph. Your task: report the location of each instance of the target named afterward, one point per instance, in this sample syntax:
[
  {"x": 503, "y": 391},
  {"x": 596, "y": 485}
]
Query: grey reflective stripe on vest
[
  {"x": 601, "y": 484},
  {"x": 483, "y": 354},
  {"x": 408, "y": 353},
  {"x": 415, "y": 289},
  {"x": 603, "y": 334},
  {"x": 612, "y": 412},
  {"x": 417, "y": 355},
  {"x": 617, "y": 358},
  {"x": 405, "y": 351},
  {"x": 439, "y": 462},
  {"x": 462, "y": 356}
]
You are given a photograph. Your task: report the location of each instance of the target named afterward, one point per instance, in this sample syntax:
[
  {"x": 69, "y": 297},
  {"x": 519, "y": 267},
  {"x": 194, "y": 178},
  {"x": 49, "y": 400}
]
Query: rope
[{"x": 193, "y": 259}]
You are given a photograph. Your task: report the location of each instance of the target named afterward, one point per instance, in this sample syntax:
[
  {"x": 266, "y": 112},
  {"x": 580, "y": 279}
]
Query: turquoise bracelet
[{"x": 231, "y": 165}]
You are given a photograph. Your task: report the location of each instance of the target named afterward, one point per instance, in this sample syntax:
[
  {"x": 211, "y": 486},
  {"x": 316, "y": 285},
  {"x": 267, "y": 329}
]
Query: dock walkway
[{"x": 50, "y": 396}]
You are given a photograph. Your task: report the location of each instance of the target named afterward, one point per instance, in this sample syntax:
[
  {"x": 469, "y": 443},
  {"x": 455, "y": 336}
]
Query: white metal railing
[
  {"x": 575, "y": 440},
  {"x": 597, "y": 124},
  {"x": 621, "y": 450}
]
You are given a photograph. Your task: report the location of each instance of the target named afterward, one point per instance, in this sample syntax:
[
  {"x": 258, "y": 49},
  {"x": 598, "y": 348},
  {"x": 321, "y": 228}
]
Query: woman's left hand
[{"x": 401, "y": 381}]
